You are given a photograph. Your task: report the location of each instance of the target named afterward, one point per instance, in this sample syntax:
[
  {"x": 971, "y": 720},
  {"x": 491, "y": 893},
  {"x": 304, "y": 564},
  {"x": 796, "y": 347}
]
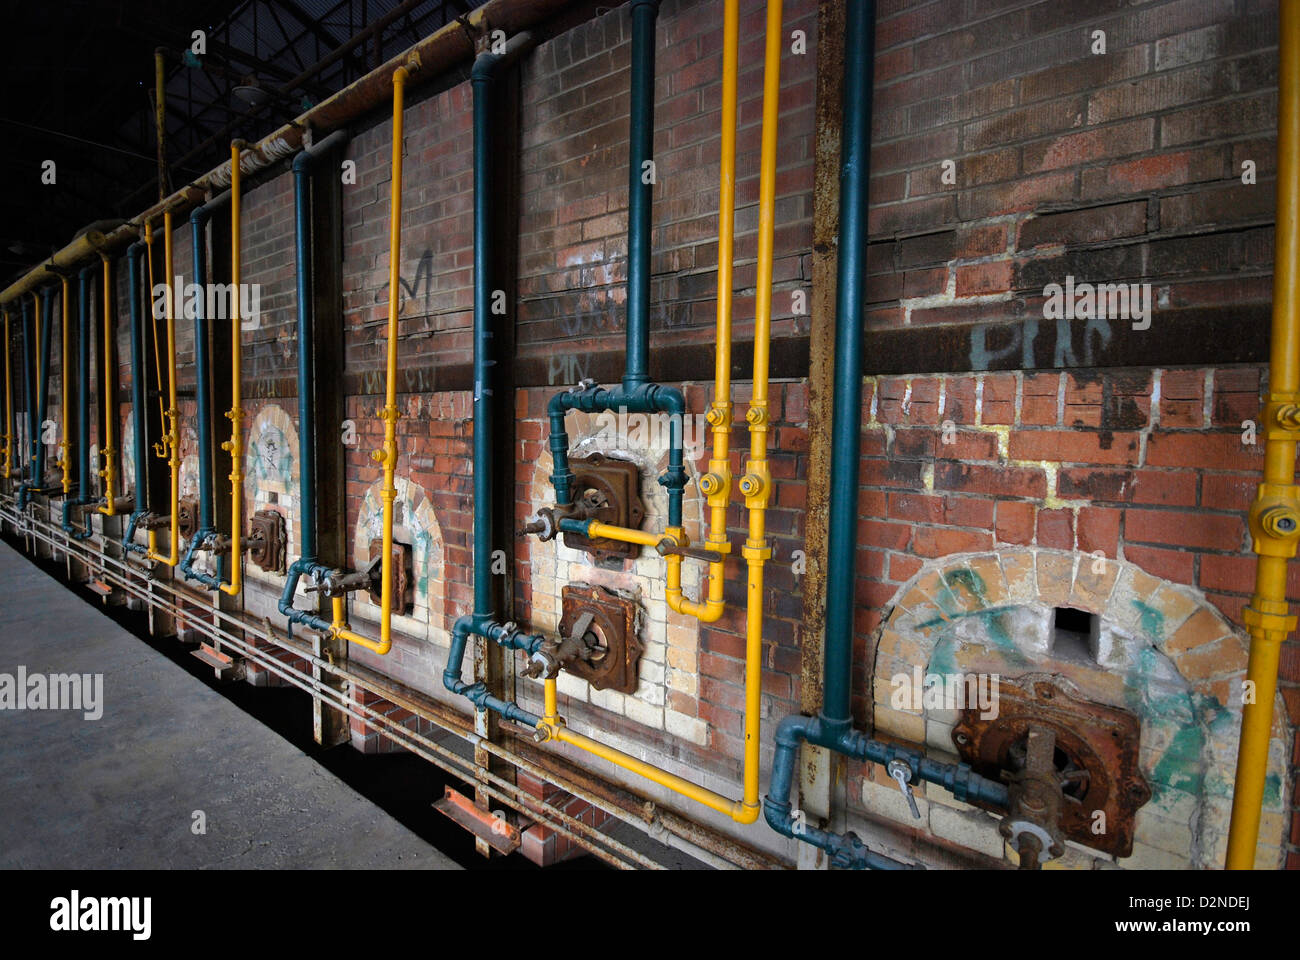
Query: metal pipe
[
  {"x": 427, "y": 59},
  {"x": 716, "y": 483},
  {"x": 37, "y": 402},
  {"x": 386, "y": 456},
  {"x": 632, "y": 809},
  {"x": 84, "y": 335},
  {"x": 306, "y": 564},
  {"x": 109, "y": 377},
  {"x": 160, "y": 116},
  {"x": 235, "y": 445},
  {"x": 65, "y": 377},
  {"x": 138, "y": 399},
  {"x": 207, "y": 530},
  {"x": 833, "y": 728},
  {"x": 1274, "y": 518},
  {"x": 9, "y": 405},
  {"x": 170, "y": 444}
]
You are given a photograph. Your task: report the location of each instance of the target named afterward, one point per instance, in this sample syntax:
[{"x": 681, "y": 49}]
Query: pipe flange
[{"x": 1048, "y": 847}]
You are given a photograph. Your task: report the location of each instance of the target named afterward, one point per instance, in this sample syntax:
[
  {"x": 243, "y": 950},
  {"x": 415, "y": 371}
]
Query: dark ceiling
[{"x": 77, "y": 87}]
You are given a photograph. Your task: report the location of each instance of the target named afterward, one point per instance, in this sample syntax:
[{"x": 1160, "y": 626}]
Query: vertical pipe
[
  {"x": 483, "y": 466},
  {"x": 109, "y": 376},
  {"x": 9, "y": 407},
  {"x": 756, "y": 484},
  {"x": 45, "y": 338},
  {"x": 29, "y": 388},
  {"x": 160, "y": 119},
  {"x": 1273, "y": 516},
  {"x": 171, "y": 439},
  {"x": 639, "y": 193},
  {"x": 84, "y": 340},
  {"x": 139, "y": 395},
  {"x": 235, "y": 445},
  {"x": 65, "y": 445},
  {"x": 306, "y": 366},
  {"x": 202, "y": 374},
  {"x": 386, "y": 456},
  {"x": 860, "y": 24}
]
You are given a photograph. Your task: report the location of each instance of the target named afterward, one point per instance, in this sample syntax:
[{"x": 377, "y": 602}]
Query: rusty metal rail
[{"x": 660, "y": 824}]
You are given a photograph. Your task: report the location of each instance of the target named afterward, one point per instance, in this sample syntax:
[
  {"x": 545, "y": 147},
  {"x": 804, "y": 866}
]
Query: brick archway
[{"x": 1156, "y": 648}]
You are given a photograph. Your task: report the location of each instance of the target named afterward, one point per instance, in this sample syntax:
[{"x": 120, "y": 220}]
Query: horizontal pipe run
[
  {"x": 440, "y": 51},
  {"x": 620, "y": 803},
  {"x": 847, "y": 851}
]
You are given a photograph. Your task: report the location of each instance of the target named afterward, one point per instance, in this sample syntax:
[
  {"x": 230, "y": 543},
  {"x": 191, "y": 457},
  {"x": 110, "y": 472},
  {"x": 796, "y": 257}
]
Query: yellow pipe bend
[
  {"x": 386, "y": 456},
  {"x": 756, "y": 484}
]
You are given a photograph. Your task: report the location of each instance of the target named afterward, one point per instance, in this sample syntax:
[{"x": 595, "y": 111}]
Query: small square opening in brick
[{"x": 1074, "y": 634}]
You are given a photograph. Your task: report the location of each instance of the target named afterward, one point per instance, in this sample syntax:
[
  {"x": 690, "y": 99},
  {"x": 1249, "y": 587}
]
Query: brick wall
[{"x": 1125, "y": 166}]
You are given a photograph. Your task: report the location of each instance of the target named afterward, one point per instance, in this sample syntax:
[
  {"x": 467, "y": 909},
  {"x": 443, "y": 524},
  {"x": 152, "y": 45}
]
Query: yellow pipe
[
  {"x": 160, "y": 449},
  {"x": 171, "y": 439},
  {"x": 756, "y": 484},
  {"x": 9, "y": 411},
  {"x": 64, "y": 445},
  {"x": 387, "y": 455},
  {"x": 235, "y": 445},
  {"x": 716, "y": 484},
  {"x": 1275, "y": 515},
  {"x": 607, "y": 531},
  {"x": 109, "y": 376},
  {"x": 553, "y": 728}
]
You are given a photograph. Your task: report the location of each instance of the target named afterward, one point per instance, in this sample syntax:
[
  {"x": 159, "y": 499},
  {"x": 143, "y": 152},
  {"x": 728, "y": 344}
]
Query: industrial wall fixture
[
  {"x": 112, "y": 505},
  {"x": 139, "y": 377},
  {"x": 833, "y": 729},
  {"x": 1274, "y": 517},
  {"x": 636, "y": 394},
  {"x": 83, "y": 497},
  {"x": 8, "y": 435},
  {"x": 170, "y": 444}
]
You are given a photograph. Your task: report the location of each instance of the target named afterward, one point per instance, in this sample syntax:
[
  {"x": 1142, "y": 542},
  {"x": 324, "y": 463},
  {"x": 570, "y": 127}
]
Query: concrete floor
[{"x": 121, "y": 791}]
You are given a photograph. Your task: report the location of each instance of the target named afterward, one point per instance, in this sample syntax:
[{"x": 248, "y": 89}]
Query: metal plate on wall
[
  {"x": 613, "y": 626},
  {"x": 616, "y": 483},
  {"x": 1097, "y": 750}
]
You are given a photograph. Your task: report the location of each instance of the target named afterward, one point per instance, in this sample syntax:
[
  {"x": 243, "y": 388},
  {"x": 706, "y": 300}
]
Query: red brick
[
  {"x": 1173, "y": 565},
  {"x": 1185, "y": 529},
  {"x": 1056, "y": 529},
  {"x": 993, "y": 481},
  {"x": 1074, "y": 446},
  {"x": 983, "y": 278},
  {"x": 1208, "y": 451},
  {"x": 1098, "y": 529},
  {"x": 1015, "y": 522},
  {"x": 942, "y": 541},
  {"x": 1229, "y": 491}
]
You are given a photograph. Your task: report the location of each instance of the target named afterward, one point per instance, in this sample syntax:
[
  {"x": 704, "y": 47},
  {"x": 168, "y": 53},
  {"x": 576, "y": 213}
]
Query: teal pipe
[
  {"x": 636, "y": 394},
  {"x": 482, "y": 621},
  {"x": 36, "y": 416},
  {"x": 29, "y": 393},
  {"x": 139, "y": 399},
  {"x": 306, "y": 564},
  {"x": 207, "y": 530},
  {"x": 83, "y": 497},
  {"x": 833, "y": 729}
]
